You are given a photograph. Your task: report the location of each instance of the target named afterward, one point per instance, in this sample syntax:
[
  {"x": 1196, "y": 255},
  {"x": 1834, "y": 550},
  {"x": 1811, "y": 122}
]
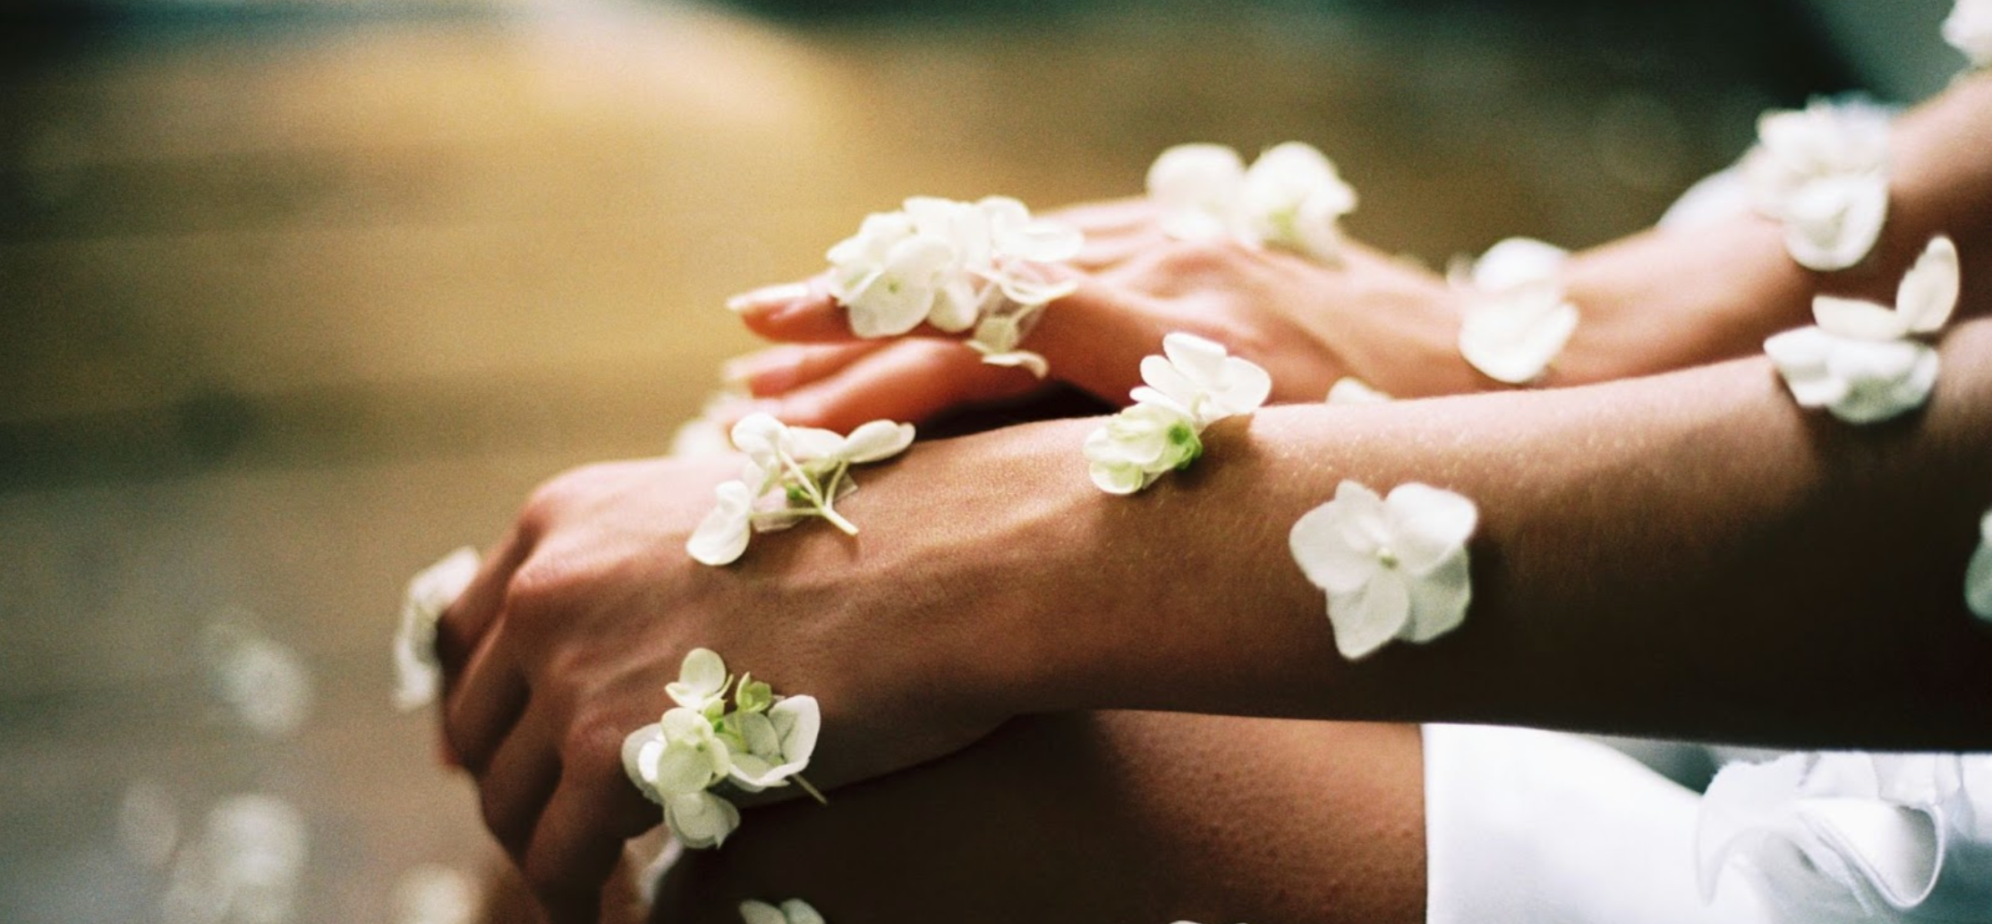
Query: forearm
[
  {"x": 1662, "y": 300},
  {"x": 1688, "y": 554}
]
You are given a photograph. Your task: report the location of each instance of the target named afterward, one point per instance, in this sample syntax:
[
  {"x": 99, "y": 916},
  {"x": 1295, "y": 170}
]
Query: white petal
[
  {"x": 877, "y": 440},
  {"x": 1885, "y": 380},
  {"x": 1518, "y": 261},
  {"x": 1170, "y": 382},
  {"x": 721, "y": 537},
  {"x": 640, "y": 766},
  {"x": 799, "y": 721},
  {"x": 701, "y": 676},
  {"x": 1865, "y": 320},
  {"x": 800, "y": 912},
  {"x": 417, "y": 671},
  {"x": 1028, "y": 292},
  {"x": 759, "y": 435},
  {"x": 1350, "y": 390},
  {"x": 753, "y": 912},
  {"x": 1035, "y": 363},
  {"x": 1929, "y": 290},
  {"x": 1428, "y": 525},
  {"x": 1978, "y": 576},
  {"x": 1969, "y": 29},
  {"x": 1247, "y": 385},
  {"x": 1514, "y": 337},
  {"x": 1320, "y": 546},
  {"x": 956, "y": 306},
  {"x": 1200, "y": 359},
  {"x": 1801, "y": 358},
  {"x": 1372, "y": 615},
  {"x": 700, "y": 820},
  {"x": 1832, "y": 223},
  {"x": 1197, "y": 187},
  {"x": 1117, "y": 478},
  {"x": 1439, "y": 598}
]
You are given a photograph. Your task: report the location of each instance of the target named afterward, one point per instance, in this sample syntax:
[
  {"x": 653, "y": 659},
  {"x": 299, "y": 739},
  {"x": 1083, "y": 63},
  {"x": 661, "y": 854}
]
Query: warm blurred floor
[{"x": 287, "y": 311}]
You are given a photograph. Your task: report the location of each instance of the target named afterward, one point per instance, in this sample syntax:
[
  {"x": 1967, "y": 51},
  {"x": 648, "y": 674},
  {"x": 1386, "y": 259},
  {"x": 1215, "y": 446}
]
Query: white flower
[
  {"x": 1823, "y": 172},
  {"x": 1858, "y": 362},
  {"x": 1969, "y": 28},
  {"x": 700, "y": 820},
  {"x": 1352, "y": 390},
  {"x": 1978, "y": 576},
  {"x": 1138, "y": 445},
  {"x": 1199, "y": 191},
  {"x": 1198, "y": 378},
  {"x": 1393, "y": 567},
  {"x": 1516, "y": 318},
  {"x": 793, "y": 911},
  {"x": 1846, "y": 837},
  {"x": 418, "y": 674},
  {"x": 1295, "y": 199},
  {"x": 949, "y": 264},
  {"x": 1291, "y": 197},
  {"x": 789, "y": 473},
  {"x": 680, "y": 755},
  {"x": 776, "y": 744}
]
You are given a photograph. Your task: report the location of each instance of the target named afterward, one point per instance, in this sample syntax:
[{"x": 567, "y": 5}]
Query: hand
[
  {"x": 1390, "y": 323},
  {"x": 565, "y": 641}
]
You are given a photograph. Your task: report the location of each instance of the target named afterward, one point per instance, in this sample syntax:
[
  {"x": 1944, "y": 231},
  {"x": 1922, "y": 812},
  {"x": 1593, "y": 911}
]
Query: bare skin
[{"x": 1686, "y": 553}]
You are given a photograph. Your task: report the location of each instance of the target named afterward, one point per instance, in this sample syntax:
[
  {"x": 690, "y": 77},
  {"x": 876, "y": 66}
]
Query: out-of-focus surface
[{"x": 295, "y": 299}]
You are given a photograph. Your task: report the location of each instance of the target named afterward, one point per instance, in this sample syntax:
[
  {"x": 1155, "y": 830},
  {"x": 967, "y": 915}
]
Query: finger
[
  {"x": 796, "y": 313},
  {"x": 579, "y": 838},
  {"x": 513, "y": 792},
  {"x": 776, "y": 370},
  {"x": 1095, "y": 337},
  {"x": 487, "y": 703},
  {"x": 911, "y": 380},
  {"x": 463, "y": 624}
]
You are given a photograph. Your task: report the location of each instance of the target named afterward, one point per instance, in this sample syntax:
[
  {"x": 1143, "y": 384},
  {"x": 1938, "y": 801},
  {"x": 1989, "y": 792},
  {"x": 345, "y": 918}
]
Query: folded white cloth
[{"x": 1548, "y": 828}]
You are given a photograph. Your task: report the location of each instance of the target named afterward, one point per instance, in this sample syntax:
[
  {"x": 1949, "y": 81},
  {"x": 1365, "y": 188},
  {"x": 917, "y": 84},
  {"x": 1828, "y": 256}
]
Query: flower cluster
[
  {"x": 1850, "y": 837},
  {"x": 793, "y": 911},
  {"x": 761, "y": 742},
  {"x": 1393, "y": 567},
  {"x": 1193, "y": 384},
  {"x": 1823, "y": 172},
  {"x": 1969, "y": 28},
  {"x": 418, "y": 673},
  {"x": 1860, "y": 361},
  {"x": 1516, "y": 318},
  {"x": 958, "y": 266},
  {"x": 1291, "y": 197},
  {"x": 791, "y": 473}
]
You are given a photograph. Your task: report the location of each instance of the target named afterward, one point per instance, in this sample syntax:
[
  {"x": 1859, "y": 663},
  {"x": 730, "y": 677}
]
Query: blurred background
[{"x": 297, "y": 296}]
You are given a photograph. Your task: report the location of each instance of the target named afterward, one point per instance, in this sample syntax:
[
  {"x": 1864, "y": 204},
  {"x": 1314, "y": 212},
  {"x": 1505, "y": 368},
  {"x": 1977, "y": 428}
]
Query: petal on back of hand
[
  {"x": 1929, "y": 290},
  {"x": 877, "y": 440}
]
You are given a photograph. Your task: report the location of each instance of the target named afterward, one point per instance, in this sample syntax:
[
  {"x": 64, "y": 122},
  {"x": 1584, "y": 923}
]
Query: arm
[
  {"x": 1687, "y": 554},
  {"x": 1652, "y": 302}
]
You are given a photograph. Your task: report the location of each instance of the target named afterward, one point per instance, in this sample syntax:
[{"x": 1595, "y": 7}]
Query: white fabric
[{"x": 1536, "y": 827}]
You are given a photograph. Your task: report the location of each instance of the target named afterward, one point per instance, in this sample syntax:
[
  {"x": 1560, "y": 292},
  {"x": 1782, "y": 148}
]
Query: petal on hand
[
  {"x": 1884, "y": 379},
  {"x": 1117, "y": 478},
  {"x": 1198, "y": 359},
  {"x": 799, "y": 912},
  {"x": 640, "y": 751},
  {"x": 1929, "y": 290},
  {"x": 877, "y": 440},
  {"x": 1859, "y": 319},
  {"x": 721, "y": 537},
  {"x": 701, "y": 676},
  {"x": 1801, "y": 358},
  {"x": 700, "y": 820},
  {"x": 1831, "y": 223},
  {"x": 1513, "y": 337},
  {"x": 1518, "y": 261},
  {"x": 1371, "y": 616},
  {"x": 1247, "y": 385},
  {"x": 798, "y": 721}
]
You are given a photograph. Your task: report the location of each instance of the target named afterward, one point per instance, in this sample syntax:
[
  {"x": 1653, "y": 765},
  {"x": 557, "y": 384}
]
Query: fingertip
[{"x": 768, "y": 297}]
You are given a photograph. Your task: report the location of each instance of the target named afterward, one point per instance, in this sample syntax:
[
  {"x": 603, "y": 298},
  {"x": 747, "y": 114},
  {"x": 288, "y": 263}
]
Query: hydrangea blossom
[
  {"x": 1291, "y": 197},
  {"x": 793, "y": 911},
  {"x": 1846, "y": 837},
  {"x": 1194, "y": 384},
  {"x": 1516, "y": 318},
  {"x": 418, "y": 674},
  {"x": 1858, "y": 361},
  {"x": 952, "y": 265},
  {"x": 1823, "y": 172},
  {"x": 1978, "y": 576},
  {"x": 1969, "y": 28},
  {"x": 762, "y": 741},
  {"x": 790, "y": 473},
  {"x": 1352, "y": 390},
  {"x": 1393, "y": 567}
]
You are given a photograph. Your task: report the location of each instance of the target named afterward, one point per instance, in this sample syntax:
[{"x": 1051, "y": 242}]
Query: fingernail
[{"x": 768, "y": 296}]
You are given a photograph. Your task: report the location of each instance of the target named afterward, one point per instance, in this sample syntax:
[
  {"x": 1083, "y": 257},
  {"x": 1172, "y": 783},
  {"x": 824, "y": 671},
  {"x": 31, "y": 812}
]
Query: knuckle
[
  {"x": 500, "y": 820},
  {"x": 592, "y": 748}
]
